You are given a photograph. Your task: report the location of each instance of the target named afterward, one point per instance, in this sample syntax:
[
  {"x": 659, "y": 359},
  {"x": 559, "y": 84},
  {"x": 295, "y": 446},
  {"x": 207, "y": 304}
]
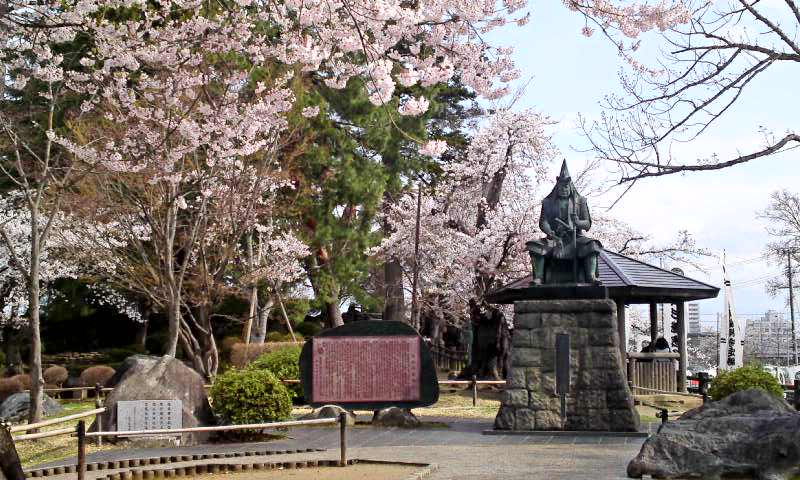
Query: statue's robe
[{"x": 554, "y": 209}]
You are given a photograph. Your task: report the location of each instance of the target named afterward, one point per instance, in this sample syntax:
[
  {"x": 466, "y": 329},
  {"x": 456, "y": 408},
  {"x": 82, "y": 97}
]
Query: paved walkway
[{"x": 462, "y": 451}]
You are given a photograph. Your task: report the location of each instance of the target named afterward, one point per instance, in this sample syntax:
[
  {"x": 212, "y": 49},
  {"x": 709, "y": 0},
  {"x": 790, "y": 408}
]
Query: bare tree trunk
[
  {"x": 394, "y": 299},
  {"x": 198, "y": 343},
  {"x": 174, "y": 320},
  {"x": 260, "y": 332},
  {"x": 37, "y": 382}
]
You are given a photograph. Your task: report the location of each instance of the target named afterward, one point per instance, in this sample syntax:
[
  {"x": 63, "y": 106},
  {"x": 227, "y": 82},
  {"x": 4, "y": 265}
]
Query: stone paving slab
[{"x": 462, "y": 451}]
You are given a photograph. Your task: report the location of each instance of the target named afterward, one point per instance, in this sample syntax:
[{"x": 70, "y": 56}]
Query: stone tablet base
[{"x": 599, "y": 398}]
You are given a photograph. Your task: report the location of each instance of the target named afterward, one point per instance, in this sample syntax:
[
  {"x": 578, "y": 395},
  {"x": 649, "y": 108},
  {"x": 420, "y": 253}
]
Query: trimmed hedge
[
  {"x": 242, "y": 354},
  {"x": 250, "y": 396},
  {"x": 284, "y": 364},
  {"x": 9, "y": 386},
  {"x": 98, "y": 374},
  {"x": 744, "y": 378},
  {"x": 24, "y": 379},
  {"x": 55, "y": 375}
]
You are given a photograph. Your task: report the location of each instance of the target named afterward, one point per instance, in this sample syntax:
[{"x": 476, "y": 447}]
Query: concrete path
[{"x": 461, "y": 451}]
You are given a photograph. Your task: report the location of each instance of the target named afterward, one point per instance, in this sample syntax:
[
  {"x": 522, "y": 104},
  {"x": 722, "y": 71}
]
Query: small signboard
[
  {"x": 149, "y": 415},
  {"x": 369, "y": 365}
]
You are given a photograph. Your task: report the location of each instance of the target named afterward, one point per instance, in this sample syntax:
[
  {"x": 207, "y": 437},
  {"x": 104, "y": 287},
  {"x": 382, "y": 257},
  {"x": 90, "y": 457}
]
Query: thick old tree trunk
[
  {"x": 333, "y": 314},
  {"x": 491, "y": 342},
  {"x": 394, "y": 299}
]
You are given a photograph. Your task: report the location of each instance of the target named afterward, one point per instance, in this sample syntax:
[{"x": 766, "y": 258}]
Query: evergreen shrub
[
  {"x": 308, "y": 329},
  {"x": 743, "y": 378},
  {"x": 250, "y": 396},
  {"x": 284, "y": 364}
]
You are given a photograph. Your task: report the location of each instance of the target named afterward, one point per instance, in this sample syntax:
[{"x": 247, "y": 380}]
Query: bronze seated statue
[{"x": 565, "y": 255}]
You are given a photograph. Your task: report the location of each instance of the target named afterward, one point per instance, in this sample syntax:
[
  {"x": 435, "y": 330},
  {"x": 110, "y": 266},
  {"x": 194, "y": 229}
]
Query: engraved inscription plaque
[
  {"x": 149, "y": 414},
  {"x": 366, "y": 369}
]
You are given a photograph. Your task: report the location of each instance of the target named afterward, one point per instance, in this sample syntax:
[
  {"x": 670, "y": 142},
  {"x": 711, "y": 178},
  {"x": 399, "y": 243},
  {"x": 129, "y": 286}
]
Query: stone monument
[{"x": 569, "y": 300}]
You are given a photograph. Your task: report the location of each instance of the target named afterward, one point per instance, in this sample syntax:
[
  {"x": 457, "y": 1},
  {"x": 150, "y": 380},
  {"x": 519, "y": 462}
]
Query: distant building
[
  {"x": 693, "y": 318},
  {"x": 768, "y": 338}
]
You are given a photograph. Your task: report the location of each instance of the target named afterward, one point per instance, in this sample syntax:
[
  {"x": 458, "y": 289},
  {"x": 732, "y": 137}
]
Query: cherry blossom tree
[
  {"x": 713, "y": 54},
  {"x": 474, "y": 224}
]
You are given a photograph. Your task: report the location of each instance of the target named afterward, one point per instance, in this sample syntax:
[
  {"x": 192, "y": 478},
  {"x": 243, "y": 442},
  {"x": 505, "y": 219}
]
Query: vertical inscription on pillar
[{"x": 366, "y": 369}]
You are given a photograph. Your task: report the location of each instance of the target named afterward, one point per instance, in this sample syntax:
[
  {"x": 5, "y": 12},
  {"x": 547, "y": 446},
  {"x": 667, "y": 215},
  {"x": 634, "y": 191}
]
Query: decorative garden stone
[
  {"x": 748, "y": 434},
  {"x": 330, "y": 411},
  {"x": 395, "y": 417},
  {"x": 15, "y": 408}
]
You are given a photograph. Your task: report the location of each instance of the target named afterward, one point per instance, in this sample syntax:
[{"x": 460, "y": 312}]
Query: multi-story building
[
  {"x": 693, "y": 318},
  {"x": 768, "y": 338}
]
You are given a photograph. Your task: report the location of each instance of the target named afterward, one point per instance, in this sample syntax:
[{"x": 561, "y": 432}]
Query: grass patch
[{"x": 34, "y": 452}]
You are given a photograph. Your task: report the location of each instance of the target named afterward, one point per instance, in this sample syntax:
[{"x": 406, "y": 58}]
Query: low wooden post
[
  {"x": 474, "y": 390},
  {"x": 797, "y": 393},
  {"x": 98, "y": 419},
  {"x": 342, "y": 438},
  {"x": 81, "y": 431}
]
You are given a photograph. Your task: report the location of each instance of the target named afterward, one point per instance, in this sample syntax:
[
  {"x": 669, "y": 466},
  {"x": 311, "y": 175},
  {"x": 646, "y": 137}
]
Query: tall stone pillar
[{"x": 598, "y": 399}]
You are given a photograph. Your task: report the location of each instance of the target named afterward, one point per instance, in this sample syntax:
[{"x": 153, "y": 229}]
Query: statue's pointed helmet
[{"x": 564, "y": 176}]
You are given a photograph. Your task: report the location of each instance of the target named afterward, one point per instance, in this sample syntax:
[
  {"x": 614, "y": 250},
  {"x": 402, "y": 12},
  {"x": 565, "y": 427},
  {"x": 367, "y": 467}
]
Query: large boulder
[
  {"x": 15, "y": 408},
  {"x": 161, "y": 378},
  {"x": 749, "y": 433}
]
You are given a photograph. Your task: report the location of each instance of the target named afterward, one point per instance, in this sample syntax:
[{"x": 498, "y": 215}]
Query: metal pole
[
  {"x": 98, "y": 420},
  {"x": 415, "y": 281},
  {"x": 474, "y": 391},
  {"x": 81, "y": 430},
  {"x": 791, "y": 305},
  {"x": 343, "y": 438}
]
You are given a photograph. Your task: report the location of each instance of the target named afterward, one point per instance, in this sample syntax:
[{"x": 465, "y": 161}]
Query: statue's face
[{"x": 563, "y": 189}]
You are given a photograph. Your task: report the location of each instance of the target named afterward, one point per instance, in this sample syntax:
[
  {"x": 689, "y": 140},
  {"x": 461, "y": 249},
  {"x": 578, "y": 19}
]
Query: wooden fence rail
[
  {"x": 53, "y": 421},
  {"x": 218, "y": 428}
]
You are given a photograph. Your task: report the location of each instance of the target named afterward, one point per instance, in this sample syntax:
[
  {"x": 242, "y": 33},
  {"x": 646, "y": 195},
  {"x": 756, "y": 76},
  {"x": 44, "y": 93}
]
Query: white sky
[{"x": 571, "y": 74}]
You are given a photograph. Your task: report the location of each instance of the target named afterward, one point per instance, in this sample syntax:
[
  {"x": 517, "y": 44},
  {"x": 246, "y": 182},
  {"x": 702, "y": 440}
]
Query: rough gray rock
[
  {"x": 395, "y": 417},
  {"x": 330, "y": 411},
  {"x": 161, "y": 378},
  {"x": 748, "y": 434},
  {"x": 15, "y": 408}
]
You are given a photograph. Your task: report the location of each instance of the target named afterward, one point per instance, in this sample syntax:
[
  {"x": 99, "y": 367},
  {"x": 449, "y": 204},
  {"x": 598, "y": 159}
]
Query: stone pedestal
[{"x": 599, "y": 398}]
